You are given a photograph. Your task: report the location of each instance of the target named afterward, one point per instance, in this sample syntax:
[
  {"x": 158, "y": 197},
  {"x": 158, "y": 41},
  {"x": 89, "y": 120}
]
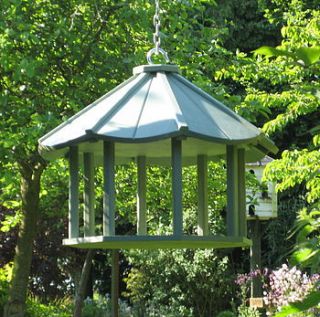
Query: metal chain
[
  {"x": 156, "y": 23},
  {"x": 156, "y": 37}
]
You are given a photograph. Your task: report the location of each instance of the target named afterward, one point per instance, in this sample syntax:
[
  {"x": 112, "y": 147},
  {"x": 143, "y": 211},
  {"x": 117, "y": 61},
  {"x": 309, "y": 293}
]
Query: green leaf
[
  {"x": 270, "y": 51},
  {"x": 309, "y": 55},
  {"x": 266, "y": 51},
  {"x": 312, "y": 300},
  {"x": 302, "y": 255}
]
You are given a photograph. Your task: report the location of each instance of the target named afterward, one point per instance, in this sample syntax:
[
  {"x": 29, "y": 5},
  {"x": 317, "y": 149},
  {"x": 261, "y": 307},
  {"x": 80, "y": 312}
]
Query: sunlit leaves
[
  {"x": 297, "y": 167},
  {"x": 269, "y": 51},
  {"x": 307, "y": 251},
  {"x": 10, "y": 221},
  {"x": 304, "y": 56},
  {"x": 310, "y": 301}
]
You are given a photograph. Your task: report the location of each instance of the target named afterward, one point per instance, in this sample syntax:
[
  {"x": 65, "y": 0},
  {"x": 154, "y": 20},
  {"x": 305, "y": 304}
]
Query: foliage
[
  {"x": 307, "y": 249},
  {"x": 54, "y": 61},
  {"x": 247, "y": 311},
  {"x": 243, "y": 309},
  {"x": 162, "y": 279},
  {"x": 287, "y": 286},
  {"x": 226, "y": 313},
  {"x": 58, "y": 308},
  {"x": 289, "y": 204},
  {"x": 308, "y": 304},
  {"x": 154, "y": 273},
  {"x": 5, "y": 278},
  {"x": 100, "y": 306},
  {"x": 300, "y": 164},
  {"x": 57, "y": 57},
  {"x": 282, "y": 287},
  {"x": 281, "y": 91}
]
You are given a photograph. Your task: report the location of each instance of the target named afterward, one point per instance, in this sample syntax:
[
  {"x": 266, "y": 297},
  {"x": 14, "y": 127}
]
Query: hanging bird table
[{"x": 157, "y": 117}]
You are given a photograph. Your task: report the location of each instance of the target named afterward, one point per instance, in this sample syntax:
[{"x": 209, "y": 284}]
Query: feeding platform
[{"x": 157, "y": 117}]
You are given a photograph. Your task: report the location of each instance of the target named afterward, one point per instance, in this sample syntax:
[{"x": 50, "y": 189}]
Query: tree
[
  {"x": 279, "y": 90},
  {"x": 286, "y": 99},
  {"x": 54, "y": 60},
  {"x": 45, "y": 49},
  {"x": 57, "y": 57}
]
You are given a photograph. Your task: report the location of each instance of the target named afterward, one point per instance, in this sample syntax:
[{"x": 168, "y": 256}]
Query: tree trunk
[
  {"x": 30, "y": 191},
  {"x": 85, "y": 274}
]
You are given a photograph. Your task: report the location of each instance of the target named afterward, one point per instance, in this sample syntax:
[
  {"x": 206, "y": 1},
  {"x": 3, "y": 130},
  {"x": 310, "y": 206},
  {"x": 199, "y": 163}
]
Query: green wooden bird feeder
[{"x": 157, "y": 117}]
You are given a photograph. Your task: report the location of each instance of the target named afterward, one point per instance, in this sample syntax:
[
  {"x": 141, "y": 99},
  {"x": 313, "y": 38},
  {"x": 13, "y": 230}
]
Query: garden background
[{"x": 259, "y": 57}]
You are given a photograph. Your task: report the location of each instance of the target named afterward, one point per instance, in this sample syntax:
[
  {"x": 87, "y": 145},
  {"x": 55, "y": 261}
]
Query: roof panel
[{"x": 154, "y": 105}]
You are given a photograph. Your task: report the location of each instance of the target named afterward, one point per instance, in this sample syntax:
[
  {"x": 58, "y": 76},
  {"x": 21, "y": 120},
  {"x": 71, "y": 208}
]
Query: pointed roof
[{"x": 152, "y": 106}]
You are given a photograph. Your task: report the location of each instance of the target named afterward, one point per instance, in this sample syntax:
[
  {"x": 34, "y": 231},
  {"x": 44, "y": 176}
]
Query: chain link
[
  {"x": 156, "y": 37},
  {"x": 156, "y": 23}
]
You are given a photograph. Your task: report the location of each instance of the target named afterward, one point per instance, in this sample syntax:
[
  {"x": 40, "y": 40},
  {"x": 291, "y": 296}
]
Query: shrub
[
  {"x": 280, "y": 287},
  {"x": 5, "y": 277},
  {"x": 100, "y": 306},
  {"x": 58, "y": 308},
  {"x": 179, "y": 282},
  {"x": 226, "y": 313}
]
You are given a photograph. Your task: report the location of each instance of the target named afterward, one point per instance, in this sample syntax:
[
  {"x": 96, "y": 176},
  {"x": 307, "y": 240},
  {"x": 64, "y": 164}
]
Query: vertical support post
[
  {"x": 108, "y": 190},
  {"x": 202, "y": 164},
  {"x": 232, "y": 191},
  {"x": 141, "y": 196},
  {"x": 115, "y": 284},
  {"x": 73, "y": 228},
  {"x": 88, "y": 195},
  {"x": 242, "y": 193},
  {"x": 255, "y": 256},
  {"x": 176, "y": 162}
]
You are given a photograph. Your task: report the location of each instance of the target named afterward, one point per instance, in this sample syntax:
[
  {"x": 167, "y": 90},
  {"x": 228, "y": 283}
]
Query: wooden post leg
[
  {"x": 255, "y": 257},
  {"x": 109, "y": 190},
  {"x": 88, "y": 195},
  {"x": 73, "y": 231},
  {"x": 242, "y": 193},
  {"x": 232, "y": 191},
  {"x": 115, "y": 284},
  {"x": 176, "y": 148},
  {"x": 141, "y": 196},
  {"x": 202, "y": 169}
]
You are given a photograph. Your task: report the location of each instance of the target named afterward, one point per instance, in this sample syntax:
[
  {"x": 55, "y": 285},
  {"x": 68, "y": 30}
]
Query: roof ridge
[
  {"x": 142, "y": 108},
  {"x": 87, "y": 108},
  {"x": 204, "y": 111},
  {"x": 181, "y": 122},
  {"x": 118, "y": 105},
  {"x": 222, "y": 107}
]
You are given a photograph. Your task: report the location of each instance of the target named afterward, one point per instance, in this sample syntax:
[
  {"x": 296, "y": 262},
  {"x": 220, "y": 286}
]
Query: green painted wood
[
  {"x": 255, "y": 256},
  {"x": 242, "y": 193},
  {"x": 155, "y": 68},
  {"x": 108, "y": 221},
  {"x": 202, "y": 169},
  {"x": 88, "y": 195},
  {"x": 127, "y": 115},
  {"x": 141, "y": 196},
  {"x": 232, "y": 191},
  {"x": 158, "y": 242},
  {"x": 177, "y": 186},
  {"x": 73, "y": 227},
  {"x": 115, "y": 283}
]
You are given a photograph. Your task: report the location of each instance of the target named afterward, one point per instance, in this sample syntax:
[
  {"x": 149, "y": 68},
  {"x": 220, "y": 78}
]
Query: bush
[
  {"x": 179, "y": 282},
  {"x": 100, "y": 306},
  {"x": 5, "y": 277},
  {"x": 226, "y": 313},
  {"x": 280, "y": 287},
  {"x": 59, "y": 308}
]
